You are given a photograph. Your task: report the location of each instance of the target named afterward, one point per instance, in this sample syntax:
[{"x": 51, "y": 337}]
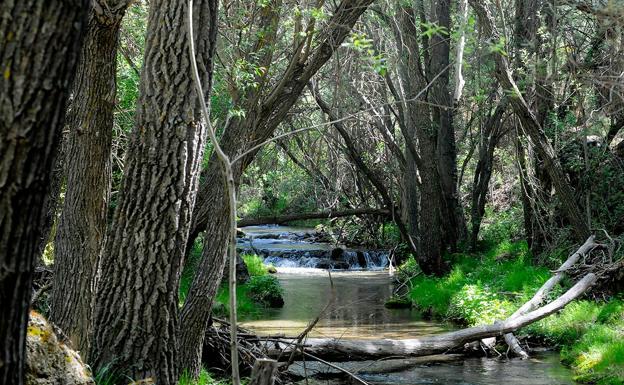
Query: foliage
[
  {"x": 408, "y": 269},
  {"x": 205, "y": 378},
  {"x": 483, "y": 288},
  {"x": 255, "y": 265},
  {"x": 267, "y": 290}
]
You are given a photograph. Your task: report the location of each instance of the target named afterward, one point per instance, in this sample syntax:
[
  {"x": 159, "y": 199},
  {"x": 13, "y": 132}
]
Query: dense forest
[{"x": 347, "y": 191}]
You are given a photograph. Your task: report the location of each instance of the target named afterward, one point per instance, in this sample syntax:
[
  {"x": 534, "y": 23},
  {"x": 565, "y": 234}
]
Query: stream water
[{"x": 356, "y": 309}]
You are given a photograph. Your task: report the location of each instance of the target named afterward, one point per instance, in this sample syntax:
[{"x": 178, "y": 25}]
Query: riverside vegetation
[{"x": 490, "y": 284}]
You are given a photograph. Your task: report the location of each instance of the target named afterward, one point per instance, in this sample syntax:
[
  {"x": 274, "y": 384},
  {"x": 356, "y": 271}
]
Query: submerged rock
[{"x": 49, "y": 361}]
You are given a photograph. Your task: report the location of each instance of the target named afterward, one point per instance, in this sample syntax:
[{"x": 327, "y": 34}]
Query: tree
[
  {"x": 532, "y": 127},
  {"x": 82, "y": 224},
  {"x": 38, "y": 53},
  {"x": 136, "y": 302},
  {"x": 265, "y": 108}
]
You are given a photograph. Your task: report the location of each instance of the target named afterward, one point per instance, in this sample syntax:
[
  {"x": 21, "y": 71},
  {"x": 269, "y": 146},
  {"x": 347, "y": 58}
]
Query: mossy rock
[
  {"x": 271, "y": 269},
  {"x": 398, "y": 303}
]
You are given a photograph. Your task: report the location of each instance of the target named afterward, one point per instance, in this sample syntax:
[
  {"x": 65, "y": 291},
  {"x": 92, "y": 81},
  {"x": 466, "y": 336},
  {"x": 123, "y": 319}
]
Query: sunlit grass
[{"x": 488, "y": 286}]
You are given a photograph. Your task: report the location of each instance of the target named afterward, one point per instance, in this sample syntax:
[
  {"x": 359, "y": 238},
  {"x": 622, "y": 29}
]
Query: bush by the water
[
  {"x": 492, "y": 284},
  {"x": 267, "y": 290}
]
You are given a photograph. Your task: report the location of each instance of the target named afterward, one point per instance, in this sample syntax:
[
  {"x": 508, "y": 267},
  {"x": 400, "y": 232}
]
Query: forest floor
[{"x": 490, "y": 285}]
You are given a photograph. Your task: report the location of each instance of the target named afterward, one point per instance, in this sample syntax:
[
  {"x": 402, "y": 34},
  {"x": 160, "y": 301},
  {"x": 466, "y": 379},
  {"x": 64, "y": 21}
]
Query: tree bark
[
  {"x": 446, "y": 149},
  {"x": 532, "y": 128},
  {"x": 136, "y": 306},
  {"x": 38, "y": 52},
  {"x": 211, "y": 209},
  {"x": 82, "y": 224},
  {"x": 419, "y": 128}
]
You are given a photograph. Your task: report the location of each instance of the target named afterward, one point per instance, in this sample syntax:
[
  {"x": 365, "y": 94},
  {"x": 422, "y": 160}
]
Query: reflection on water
[
  {"x": 357, "y": 310},
  {"x": 544, "y": 370}
]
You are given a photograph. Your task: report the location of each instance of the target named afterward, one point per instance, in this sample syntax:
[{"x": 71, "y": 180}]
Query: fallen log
[
  {"x": 541, "y": 294},
  {"x": 281, "y": 219},
  {"x": 351, "y": 350}
]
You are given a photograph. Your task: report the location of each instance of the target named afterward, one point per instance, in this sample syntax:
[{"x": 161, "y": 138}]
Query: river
[{"x": 356, "y": 309}]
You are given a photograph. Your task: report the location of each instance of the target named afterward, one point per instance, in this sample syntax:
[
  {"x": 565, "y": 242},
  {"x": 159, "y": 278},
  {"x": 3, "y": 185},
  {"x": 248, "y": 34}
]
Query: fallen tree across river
[
  {"x": 281, "y": 219},
  {"x": 350, "y": 350}
]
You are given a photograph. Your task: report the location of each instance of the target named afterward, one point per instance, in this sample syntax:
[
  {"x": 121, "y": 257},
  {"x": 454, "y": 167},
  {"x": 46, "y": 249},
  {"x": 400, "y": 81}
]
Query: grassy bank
[{"x": 488, "y": 286}]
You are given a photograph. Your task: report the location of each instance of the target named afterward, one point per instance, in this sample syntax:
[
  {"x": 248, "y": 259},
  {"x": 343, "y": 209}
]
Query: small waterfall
[{"x": 283, "y": 247}]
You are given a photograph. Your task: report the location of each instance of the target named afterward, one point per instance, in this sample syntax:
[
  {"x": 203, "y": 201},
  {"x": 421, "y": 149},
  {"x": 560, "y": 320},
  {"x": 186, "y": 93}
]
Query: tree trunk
[
  {"x": 82, "y": 224},
  {"x": 533, "y": 129},
  {"x": 483, "y": 172},
  {"x": 418, "y": 119},
  {"x": 38, "y": 52},
  {"x": 136, "y": 303},
  {"x": 440, "y": 95},
  {"x": 211, "y": 208}
]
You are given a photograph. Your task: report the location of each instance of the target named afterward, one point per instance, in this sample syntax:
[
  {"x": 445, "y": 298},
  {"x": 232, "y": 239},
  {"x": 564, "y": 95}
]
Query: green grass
[
  {"x": 205, "y": 378},
  {"x": 255, "y": 266},
  {"x": 488, "y": 286}
]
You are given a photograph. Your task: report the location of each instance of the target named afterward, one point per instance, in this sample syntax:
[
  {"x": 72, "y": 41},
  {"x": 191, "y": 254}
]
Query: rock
[
  {"x": 49, "y": 361},
  {"x": 274, "y": 300},
  {"x": 271, "y": 269},
  {"x": 324, "y": 264},
  {"x": 398, "y": 303},
  {"x": 341, "y": 265},
  {"x": 361, "y": 258},
  {"x": 337, "y": 254}
]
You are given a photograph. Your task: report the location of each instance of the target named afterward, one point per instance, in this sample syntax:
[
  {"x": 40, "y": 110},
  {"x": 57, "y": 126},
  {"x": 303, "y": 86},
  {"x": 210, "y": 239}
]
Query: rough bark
[
  {"x": 38, "y": 52},
  {"x": 419, "y": 129},
  {"x": 532, "y": 128},
  {"x": 211, "y": 209},
  {"x": 440, "y": 95},
  {"x": 350, "y": 350},
  {"x": 82, "y": 224},
  {"x": 136, "y": 302},
  {"x": 280, "y": 219}
]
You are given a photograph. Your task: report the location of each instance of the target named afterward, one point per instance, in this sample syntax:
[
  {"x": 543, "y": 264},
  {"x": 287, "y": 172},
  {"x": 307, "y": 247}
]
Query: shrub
[
  {"x": 255, "y": 265},
  {"x": 267, "y": 290}
]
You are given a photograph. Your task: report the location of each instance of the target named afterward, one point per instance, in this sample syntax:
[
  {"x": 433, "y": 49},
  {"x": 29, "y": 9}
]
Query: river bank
[{"x": 488, "y": 286}]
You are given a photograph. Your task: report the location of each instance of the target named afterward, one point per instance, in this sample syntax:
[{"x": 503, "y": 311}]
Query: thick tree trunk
[
  {"x": 281, "y": 219},
  {"x": 418, "y": 118},
  {"x": 453, "y": 220},
  {"x": 350, "y": 350},
  {"x": 211, "y": 208},
  {"x": 82, "y": 224},
  {"x": 533, "y": 129},
  {"x": 38, "y": 52},
  {"x": 136, "y": 307}
]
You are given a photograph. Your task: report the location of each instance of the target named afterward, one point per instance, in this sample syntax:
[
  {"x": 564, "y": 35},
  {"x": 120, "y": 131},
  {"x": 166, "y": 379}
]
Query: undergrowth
[{"x": 491, "y": 284}]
